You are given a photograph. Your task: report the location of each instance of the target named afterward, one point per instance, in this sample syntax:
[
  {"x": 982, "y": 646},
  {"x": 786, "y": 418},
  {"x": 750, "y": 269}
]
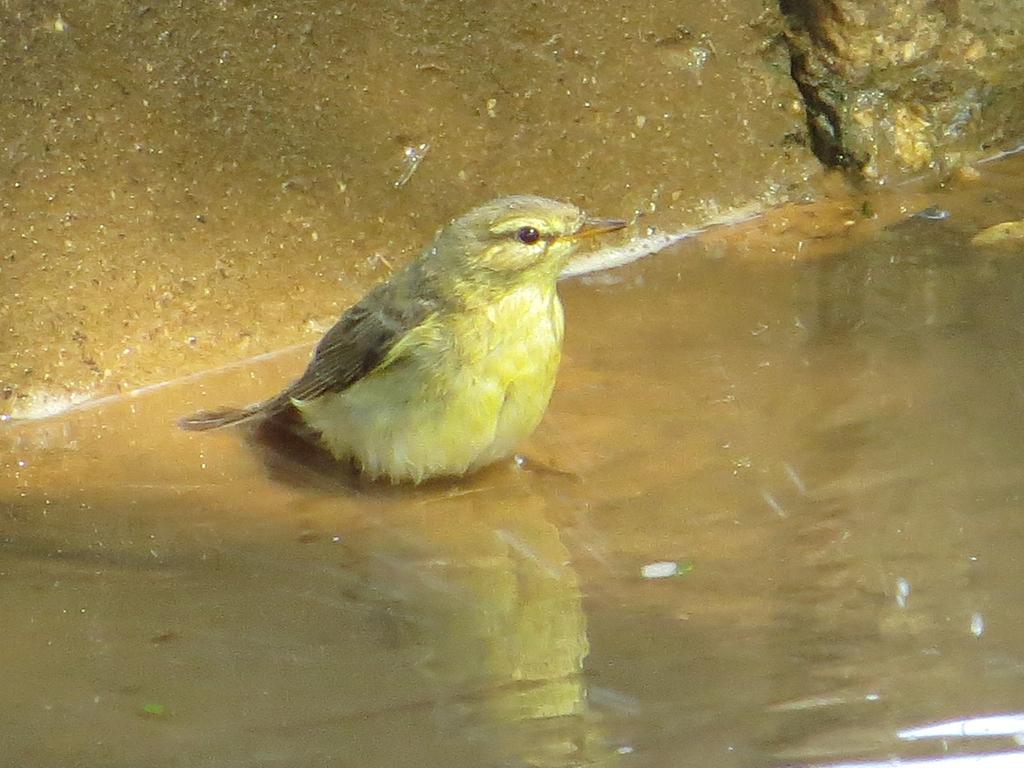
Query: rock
[{"x": 901, "y": 87}]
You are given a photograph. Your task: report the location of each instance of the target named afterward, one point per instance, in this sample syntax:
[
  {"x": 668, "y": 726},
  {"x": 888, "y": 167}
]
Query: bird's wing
[{"x": 358, "y": 343}]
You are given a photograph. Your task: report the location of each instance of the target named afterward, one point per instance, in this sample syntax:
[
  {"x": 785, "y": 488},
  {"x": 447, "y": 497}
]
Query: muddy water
[{"x": 826, "y": 449}]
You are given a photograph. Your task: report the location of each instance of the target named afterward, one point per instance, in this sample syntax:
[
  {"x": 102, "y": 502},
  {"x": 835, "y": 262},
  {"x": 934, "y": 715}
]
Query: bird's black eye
[{"x": 527, "y": 235}]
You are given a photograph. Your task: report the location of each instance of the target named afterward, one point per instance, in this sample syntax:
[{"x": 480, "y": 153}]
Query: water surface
[{"x": 823, "y": 432}]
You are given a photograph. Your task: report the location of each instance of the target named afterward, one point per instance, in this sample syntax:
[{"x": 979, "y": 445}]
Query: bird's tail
[{"x": 223, "y": 417}]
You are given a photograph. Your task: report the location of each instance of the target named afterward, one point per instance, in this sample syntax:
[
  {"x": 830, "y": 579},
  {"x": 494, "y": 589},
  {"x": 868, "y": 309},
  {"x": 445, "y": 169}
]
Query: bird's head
[{"x": 512, "y": 239}]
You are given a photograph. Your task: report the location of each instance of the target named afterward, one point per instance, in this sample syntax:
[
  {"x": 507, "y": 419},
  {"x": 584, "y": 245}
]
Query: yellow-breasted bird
[{"x": 450, "y": 363}]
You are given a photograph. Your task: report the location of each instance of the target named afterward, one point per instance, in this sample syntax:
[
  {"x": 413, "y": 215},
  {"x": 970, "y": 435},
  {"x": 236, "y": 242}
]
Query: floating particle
[
  {"x": 660, "y": 570},
  {"x": 902, "y": 592},
  {"x": 977, "y": 625},
  {"x": 413, "y": 157},
  {"x": 932, "y": 213},
  {"x": 663, "y": 569}
]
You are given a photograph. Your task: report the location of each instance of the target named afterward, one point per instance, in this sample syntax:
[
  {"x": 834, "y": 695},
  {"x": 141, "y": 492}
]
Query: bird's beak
[{"x": 594, "y": 227}]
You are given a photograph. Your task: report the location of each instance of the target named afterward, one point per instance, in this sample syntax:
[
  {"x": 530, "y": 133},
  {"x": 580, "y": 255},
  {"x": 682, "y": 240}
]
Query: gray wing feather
[
  {"x": 355, "y": 345},
  {"x": 351, "y": 349}
]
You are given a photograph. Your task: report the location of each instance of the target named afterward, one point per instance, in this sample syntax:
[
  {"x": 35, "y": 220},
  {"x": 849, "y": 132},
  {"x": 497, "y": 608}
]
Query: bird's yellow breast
[{"x": 458, "y": 392}]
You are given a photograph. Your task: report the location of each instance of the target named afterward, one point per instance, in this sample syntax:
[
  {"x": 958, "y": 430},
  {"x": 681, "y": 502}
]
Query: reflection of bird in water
[
  {"x": 448, "y": 365},
  {"x": 487, "y": 595}
]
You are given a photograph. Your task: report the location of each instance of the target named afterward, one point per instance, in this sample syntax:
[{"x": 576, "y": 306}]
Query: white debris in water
[
  {"x": 977, "y": 625},
  {"x": 617, "y": 256},
  {"x": 1011, "y": 724},
  {"x": 607, "y": 258},
  {"x": 660, "y": 570},
  {"x": 902, "y": 592},
  {"x": 1012, "y": 759},
  {"x": 412, "y": 157}
]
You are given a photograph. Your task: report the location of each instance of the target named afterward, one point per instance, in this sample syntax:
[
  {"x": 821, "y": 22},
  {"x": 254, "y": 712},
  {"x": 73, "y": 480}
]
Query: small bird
[{"x": 450, "y": 363}]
